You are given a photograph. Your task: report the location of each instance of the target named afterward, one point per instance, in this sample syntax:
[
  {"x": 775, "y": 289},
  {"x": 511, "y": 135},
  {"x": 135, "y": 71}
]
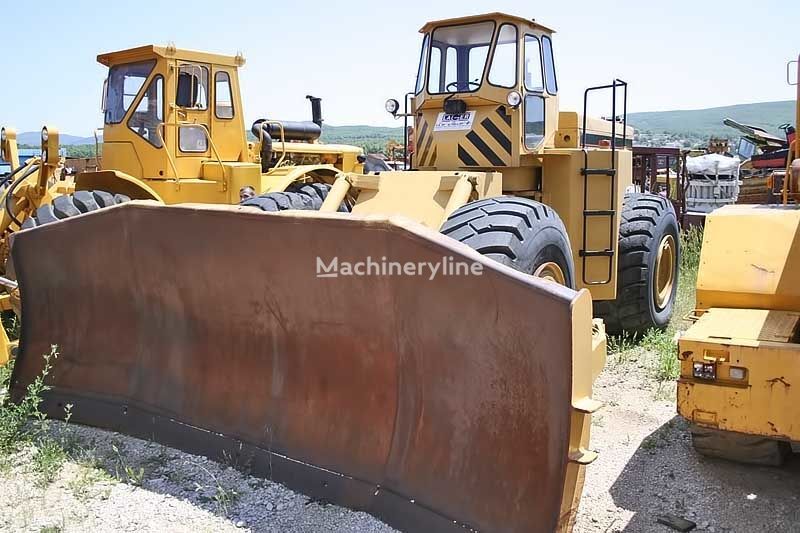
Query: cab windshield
[
  {"x": 124, "y": 83},
  {"x": 458, "y": 57}
]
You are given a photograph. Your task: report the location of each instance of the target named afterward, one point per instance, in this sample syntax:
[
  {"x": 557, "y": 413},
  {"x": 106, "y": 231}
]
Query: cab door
[
  {"x": 541, "y": 93},
  {"x": 193, "y": 108},
  {"x": 226, "y": 123},
  {"x": 534, "y": 110}
]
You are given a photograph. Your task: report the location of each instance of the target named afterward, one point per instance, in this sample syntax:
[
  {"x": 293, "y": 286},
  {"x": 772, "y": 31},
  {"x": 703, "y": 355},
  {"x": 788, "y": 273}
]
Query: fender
[
  {"x": 116, "y": 182},
  {"x": 279, "y": 178}
]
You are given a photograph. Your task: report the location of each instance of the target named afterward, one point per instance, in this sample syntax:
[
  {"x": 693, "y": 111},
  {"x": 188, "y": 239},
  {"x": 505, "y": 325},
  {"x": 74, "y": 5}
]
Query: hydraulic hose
[
  {"x": 10, "y": 191},
  {"x": 12, "y": 174}
]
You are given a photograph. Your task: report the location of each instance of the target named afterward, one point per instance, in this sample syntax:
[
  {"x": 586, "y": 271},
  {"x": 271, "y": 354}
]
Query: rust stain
[
  {"x": 762, "y": 269},
  {"x": 773, "y": 381}
]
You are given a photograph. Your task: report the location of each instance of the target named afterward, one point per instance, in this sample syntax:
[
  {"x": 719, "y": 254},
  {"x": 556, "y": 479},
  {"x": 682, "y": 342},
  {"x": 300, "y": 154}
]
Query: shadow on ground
[
  {"x": 666, "y": 475},
  {"x": 223, "y": 490}
]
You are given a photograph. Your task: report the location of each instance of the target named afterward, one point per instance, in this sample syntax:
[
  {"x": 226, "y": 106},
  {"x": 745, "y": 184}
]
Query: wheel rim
[
  {"x": 665, "y": 271},
  {"x": 551, "y": 272}
]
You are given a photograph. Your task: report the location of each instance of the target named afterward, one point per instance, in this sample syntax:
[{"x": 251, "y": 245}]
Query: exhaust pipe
[
  {"x": 316, "y": 110},
  {"x": 262, "y": 132}
]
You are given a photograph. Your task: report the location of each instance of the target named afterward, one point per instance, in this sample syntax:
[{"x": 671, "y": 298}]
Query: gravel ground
[
  {"x": 646, "y": 467},
  {"x": 120, "y": 483}
]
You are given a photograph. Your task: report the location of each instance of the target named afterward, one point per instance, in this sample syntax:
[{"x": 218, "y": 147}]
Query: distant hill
[
  {"x": 708, "y": 122},
  {"x": 34, "y": 138},
  {"x": 689, "y": 127},
  {"x": 358, "y": 132}
]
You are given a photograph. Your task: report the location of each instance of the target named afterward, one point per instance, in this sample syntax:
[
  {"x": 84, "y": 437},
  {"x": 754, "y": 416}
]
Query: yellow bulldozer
[
  {"x": 373, "y": 342},
  {"x": 738, "y": 361},
  {"x": 174, "y": 132}
]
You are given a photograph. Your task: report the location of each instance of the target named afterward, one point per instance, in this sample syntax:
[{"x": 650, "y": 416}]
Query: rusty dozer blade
[{"x": 433, "y": 404}]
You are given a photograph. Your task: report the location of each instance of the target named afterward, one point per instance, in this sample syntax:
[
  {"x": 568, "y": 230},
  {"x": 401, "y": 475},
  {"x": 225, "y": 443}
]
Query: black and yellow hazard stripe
[
  {"x": 420, "y": 131},
  {"x": 490, "y": 144},
  {"x": 424, "y": 144}
]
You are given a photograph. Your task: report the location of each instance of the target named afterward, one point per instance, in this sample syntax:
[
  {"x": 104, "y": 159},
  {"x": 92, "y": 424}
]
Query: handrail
[
  {"x": 213, "y": 150},
  {"x": 613, "y": 86},
  {"x": 97, "y": 148},
  {"x": 211, "y": 143},
  {"x": 169, "y": 155},
  {"x": 611, "y": 172},
  {"x": 406, "y": 159}
]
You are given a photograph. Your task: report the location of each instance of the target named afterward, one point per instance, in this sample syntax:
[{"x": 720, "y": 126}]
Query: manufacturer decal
[{"x": 454, "y": 121}]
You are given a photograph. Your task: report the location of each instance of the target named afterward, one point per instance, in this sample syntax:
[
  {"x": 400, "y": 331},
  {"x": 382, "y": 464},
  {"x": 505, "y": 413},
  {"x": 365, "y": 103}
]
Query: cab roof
[
  {"x": 496, "y": 16},
  {"x": 149, "y": 51}
]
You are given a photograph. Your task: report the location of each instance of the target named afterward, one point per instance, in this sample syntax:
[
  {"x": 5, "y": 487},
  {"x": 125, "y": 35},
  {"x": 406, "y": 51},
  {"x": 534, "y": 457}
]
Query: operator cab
[
  {"x": 486, "y": 97},
  {"x": 167, "y": 111},
  {"x": 459, "y": 60},
  {"x": 493, "y": 67}
]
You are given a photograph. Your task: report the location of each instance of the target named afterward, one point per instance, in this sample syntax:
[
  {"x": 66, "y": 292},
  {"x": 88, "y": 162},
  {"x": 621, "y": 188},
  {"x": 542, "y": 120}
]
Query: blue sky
[{"x": 355, "y": 54}]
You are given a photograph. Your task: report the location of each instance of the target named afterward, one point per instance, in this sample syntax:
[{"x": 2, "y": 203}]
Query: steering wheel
[{"x": 454, "y": 84}]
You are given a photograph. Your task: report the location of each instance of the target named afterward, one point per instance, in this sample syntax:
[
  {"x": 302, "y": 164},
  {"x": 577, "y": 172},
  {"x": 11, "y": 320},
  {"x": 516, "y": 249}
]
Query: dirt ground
[
  {"x": 118, "y": 483},
  {"x": 646, "y": 467}
]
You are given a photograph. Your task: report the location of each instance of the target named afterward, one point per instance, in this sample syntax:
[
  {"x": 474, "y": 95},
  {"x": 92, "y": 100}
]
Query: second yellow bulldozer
[{"x": 173, "y": 132}]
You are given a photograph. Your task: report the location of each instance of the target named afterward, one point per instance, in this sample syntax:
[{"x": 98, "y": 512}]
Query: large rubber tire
[
  {"x": 302, "y": 196},
  {"x": 751, "y": 449},
  {"x": 317, "y": 192},
  {"x": 70, "y": 205},
  {"x": 518, "y": 232},
  {"x": 279, "y": 201},
  {"x": 648, "y": 222}
]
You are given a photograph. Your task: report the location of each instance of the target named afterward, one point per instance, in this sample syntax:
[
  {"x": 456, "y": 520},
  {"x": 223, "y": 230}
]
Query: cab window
[
  {"x": 534, "y": 121},
  {"x": 463, "y": 51},
  {"x": 223, "y": 97},
  {"x": 549, "y": 65},
  {"x": 192, "y": 90},
  {"x": 534, "y": 80},
  {"x": 503, "y": 71},
  {"x": 421, "y": 69},
  {"x": 124, "y": 83},
  {"x": 192, "y": 139},
  {"x": 149, "y": 114}
]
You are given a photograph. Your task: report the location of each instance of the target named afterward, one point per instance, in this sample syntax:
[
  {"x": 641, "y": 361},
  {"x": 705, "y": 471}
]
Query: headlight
[
  {"x": 702, "y": 370},
  {"x": 44, "y": 135},
  {"x": 44, "y": 156},
  {"x": 3, "y": 135},
  {"x": 392, "y": 106},
  {"x": 514, "y": 99}
]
